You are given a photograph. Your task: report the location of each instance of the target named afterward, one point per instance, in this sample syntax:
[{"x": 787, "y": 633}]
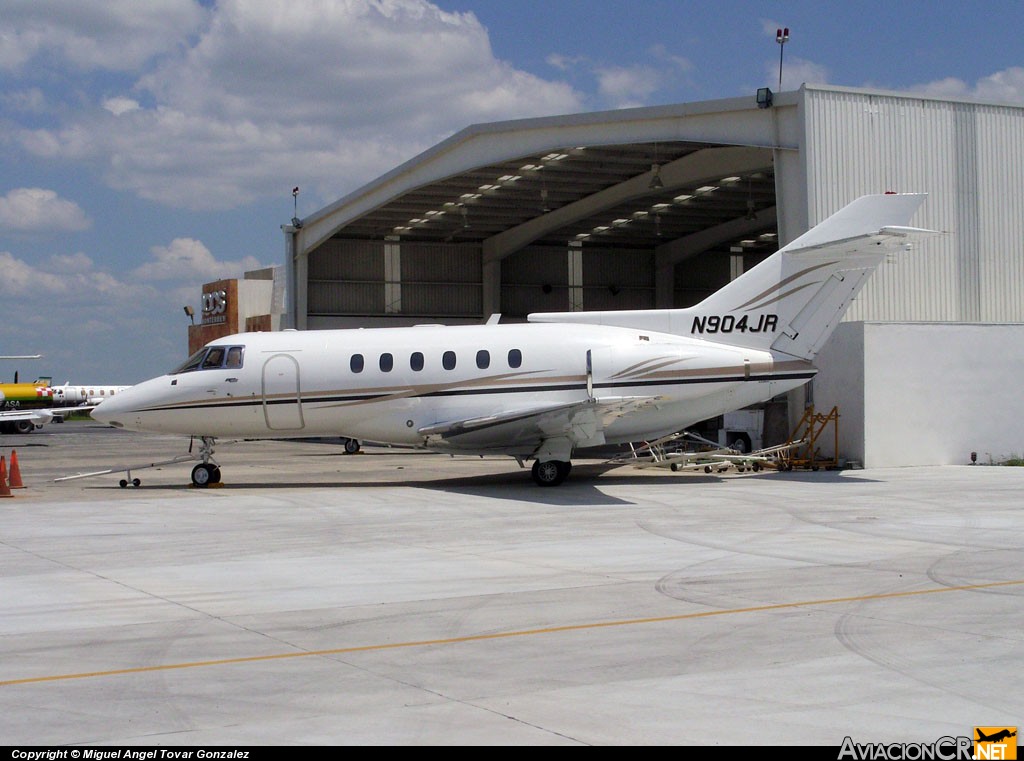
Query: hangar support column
[
  {"x": 491, "y": 286},
  {"x": 296, "y": 279}
]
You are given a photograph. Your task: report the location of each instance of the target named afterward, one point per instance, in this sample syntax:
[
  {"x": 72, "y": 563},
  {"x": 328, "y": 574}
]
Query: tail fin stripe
[
  {"x": 782, "y": 296},
  {"x": 783, "y": 283}
]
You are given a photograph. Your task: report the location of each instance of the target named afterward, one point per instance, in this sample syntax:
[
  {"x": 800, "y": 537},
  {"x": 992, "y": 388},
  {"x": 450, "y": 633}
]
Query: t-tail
[{"x": 792, "y": 301}]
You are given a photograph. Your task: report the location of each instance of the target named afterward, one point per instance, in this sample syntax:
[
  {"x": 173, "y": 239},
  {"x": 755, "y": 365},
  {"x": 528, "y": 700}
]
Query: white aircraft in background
[
  {"x": 534, "y": 391},
  {"x": 77, "y": 395}
]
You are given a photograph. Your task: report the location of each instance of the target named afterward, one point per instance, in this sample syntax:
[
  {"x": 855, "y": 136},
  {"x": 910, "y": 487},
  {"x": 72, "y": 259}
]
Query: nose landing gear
[{"x": 207, "y": 472}]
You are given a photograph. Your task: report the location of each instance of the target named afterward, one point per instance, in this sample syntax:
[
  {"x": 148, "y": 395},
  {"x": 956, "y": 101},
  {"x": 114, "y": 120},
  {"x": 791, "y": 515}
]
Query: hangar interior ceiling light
[{"x": 509, "y": 194}]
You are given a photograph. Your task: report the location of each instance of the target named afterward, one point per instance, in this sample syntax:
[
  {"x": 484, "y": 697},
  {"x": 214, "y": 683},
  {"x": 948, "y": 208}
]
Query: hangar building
[{"x": 658, "y": 207}]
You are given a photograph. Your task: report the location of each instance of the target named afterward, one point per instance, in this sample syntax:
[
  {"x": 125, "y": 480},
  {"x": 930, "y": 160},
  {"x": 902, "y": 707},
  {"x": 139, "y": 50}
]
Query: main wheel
[
  {"x": 550, "y": 472},
  {"x": 203, "y": 475},
  {"x": 351, "y": 446},
  {"x": 740, "y": 444}
]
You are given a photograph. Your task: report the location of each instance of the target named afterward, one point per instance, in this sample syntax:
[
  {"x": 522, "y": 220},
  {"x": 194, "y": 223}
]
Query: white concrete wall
[
  {"x": 931, "y": 393},
  {"x": 840, "y": 382}
]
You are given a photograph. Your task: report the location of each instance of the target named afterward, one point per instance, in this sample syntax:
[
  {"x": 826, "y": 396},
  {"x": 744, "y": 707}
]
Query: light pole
[{"x": 781, "y": 37}]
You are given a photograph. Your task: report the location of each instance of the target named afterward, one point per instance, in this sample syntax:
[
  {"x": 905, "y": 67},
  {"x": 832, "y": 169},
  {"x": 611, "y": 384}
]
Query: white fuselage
[
  {"x": 68, "y": 394},
  {"x": 386, "y": 384}
]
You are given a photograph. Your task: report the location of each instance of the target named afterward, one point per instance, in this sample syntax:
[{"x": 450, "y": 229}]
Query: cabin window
[
  {"x": 356, "y": 363},
  {"x": 387, "y": 363},
  {"x": 416, "y": 361},
  {"x": 448, "y": 360},
  {"x": 515, "y": 358},
  {"x": 483, "y": 359}
]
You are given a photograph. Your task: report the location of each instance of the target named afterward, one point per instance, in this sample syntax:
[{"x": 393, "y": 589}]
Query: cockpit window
[
  {"x": 212, "y": 358},
  {"x": 192, "y": 363}
]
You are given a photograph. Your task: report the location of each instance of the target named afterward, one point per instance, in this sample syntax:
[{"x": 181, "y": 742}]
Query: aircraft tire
[
  {"x": 202, "y": 475},
  {"x": 23, "y": 426},
  {"x": 215, "y": 477},
  {"x": 351, "y": 446},
  {"x": 550, "y": 472},
  {"x": 741, "y": 444}
]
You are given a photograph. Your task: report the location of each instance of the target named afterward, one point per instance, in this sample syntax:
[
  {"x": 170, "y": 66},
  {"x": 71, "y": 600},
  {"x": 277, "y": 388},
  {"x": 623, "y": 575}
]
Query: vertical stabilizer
[{"x": 792, "y": 301}]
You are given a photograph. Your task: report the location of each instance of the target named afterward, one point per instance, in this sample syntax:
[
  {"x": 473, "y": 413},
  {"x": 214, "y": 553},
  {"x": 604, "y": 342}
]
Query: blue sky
[{"x": 149, "y": 147}]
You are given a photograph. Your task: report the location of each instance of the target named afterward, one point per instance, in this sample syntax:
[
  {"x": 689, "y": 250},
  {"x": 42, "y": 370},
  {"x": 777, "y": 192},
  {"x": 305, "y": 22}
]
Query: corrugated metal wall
[
  {"x": 696, "y": 278},
  {"x": 617, "y": 279},
  {"x": 535, "y": 279},
  {"x": 347, "y": 277},
  {"x": 968, "y": 157},
  {"x": 441, "y": 279}
]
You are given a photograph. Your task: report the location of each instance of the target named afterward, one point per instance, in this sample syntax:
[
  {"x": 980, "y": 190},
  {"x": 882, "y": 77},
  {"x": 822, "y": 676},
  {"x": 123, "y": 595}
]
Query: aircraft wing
[
  {"x": 40, "y": 416},
  {"x": 522, "y": 431},
  {"x": 37, "y": 416}
]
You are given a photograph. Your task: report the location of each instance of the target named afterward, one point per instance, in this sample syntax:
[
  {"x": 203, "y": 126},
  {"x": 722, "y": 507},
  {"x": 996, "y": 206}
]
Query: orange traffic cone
[
  {"x": 15, "y": 480},
  {"x": 5, "y": 490}
]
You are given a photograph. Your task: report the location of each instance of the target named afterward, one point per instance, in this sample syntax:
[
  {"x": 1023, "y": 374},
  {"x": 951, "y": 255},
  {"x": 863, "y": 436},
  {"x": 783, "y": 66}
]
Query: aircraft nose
[
  {"x": 112, "y": 411},
  {"x": 103, "y": 415}
]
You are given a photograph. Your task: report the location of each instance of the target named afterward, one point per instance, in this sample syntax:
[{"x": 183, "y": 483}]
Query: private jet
[{"x": 535, "y": 391}]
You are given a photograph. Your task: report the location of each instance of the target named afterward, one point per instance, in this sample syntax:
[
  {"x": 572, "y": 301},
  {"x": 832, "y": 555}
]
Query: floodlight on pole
[{"x": 781, "y": 37}]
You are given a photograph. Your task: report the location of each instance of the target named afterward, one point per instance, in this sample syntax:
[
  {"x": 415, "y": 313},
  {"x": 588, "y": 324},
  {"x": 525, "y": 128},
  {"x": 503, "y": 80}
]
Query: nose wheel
[{"x": 205, "y": 474}]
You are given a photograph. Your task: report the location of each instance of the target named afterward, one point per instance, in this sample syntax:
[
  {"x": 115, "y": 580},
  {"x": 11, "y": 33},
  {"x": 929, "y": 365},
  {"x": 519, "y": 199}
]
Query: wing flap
[{"x": 522, "y": 431}]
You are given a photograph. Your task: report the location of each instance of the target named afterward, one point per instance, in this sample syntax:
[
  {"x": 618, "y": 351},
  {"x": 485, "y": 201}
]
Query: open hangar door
[{"x": 629, "y": 226}]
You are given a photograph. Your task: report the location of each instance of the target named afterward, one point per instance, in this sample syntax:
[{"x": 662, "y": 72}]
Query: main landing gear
[
  {"x": 207, "y": 472},
  {"x": 550, "y": 472}
]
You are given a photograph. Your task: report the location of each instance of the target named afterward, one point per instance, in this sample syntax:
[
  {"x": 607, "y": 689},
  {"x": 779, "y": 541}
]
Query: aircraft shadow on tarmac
[{"x": 583, "y": 487}]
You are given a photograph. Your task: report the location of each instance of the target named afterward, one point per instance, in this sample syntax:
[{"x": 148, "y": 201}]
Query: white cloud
[
  {"x": 1006, "y": 86},
  {"x": 797, "y": 71},
  {"x": 186, "y": 258},
  {"x": 678, "y": 62},
  {"x": 21, "y": 280},
  {"x": 117, "y": 35},
  {"x": 627, "y": 86},
  {"x": 325, "y": 93},
  {"x": 121, "y": 105},
  {"x": 31, "y": 100},
  {"x": 40, "y": 210},
  {"x": 77, "y": 263}
]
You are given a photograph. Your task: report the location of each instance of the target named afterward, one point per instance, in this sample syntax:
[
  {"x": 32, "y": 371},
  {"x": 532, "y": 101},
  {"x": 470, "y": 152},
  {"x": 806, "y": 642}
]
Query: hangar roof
[{"x": 634, "y": 178}]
